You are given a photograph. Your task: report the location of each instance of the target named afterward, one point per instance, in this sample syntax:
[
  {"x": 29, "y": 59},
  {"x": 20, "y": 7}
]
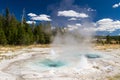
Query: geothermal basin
[{"x": 49, "y": 64}]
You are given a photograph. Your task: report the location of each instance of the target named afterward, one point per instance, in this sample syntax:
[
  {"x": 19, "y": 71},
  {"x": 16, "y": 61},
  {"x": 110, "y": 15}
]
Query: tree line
[
  {"x": 108, "y": 39},
  {"x": 14, "y": 32}
]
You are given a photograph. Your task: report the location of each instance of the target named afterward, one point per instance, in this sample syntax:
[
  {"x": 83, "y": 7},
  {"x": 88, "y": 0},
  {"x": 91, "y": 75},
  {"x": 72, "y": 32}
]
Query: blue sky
[{"x": 104, "y": 14}]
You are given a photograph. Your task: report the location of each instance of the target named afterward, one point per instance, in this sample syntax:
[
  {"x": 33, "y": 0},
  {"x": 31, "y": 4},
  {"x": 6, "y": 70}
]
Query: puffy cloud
[
  {"x": 116, "y": 5},
  {"x": 107, "y": 24},
  {"x": 73, "y": 27},
  {"x": 42, "y": 17},
  {"x": 105, "y": 20},
  {"x": 78, "y": 24},
  {"x": 103, "y": 25},
  {"x": 31, "y": 22},
  {"x": 72, "y": 13},
  {"x": 90, "y": 9},
  {"x": 72, "y": 19},
  {"x": 32, "y": 14}
]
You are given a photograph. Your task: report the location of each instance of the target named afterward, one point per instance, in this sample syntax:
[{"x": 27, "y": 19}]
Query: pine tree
[
  {"x": 28, "y": 34},
  {"x": 38, "y": 34},
  {"x": 20, "y": 36},
  {"x": 119, "y": 39},
  {"x": 47, "y": 38},
  {"x": 1, "y": 21},
  {"x": 41, "y": 38},
  {"x": 108, "y": 39},
  {"x": 3, "y": 40},
  {"x": 7, "y": 17},
  {"x": 13, "y": 32}
]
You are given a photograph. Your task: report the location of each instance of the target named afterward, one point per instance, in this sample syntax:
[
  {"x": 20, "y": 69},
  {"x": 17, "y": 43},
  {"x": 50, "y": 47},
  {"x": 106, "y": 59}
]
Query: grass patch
[
  {"x": 6, "y": 48},
  {"x": 116, "y": 77},
  {"x": 106, "y": 46}
]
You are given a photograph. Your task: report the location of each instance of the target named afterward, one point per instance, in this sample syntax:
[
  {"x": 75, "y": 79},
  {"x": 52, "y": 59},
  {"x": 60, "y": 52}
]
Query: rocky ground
[{"x": 17, "y": 65}]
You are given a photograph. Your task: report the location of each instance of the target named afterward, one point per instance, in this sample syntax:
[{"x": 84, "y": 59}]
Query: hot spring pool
[
  {"x": 59, "y": 63},
  {"x": 52, "y": 63},
  {"x": 47, "y": 63},
  {"x": 92, "y": 56}
]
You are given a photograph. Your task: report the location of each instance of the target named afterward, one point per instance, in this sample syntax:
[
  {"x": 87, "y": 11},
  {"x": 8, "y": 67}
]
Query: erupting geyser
[
  {"x": 52, "y": 52},
  {"x": 83, "y": 63}
]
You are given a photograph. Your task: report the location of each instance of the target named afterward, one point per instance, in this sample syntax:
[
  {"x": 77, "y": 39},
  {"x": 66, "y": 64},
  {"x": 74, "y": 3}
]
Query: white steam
[{"x": 75, "y": 38}]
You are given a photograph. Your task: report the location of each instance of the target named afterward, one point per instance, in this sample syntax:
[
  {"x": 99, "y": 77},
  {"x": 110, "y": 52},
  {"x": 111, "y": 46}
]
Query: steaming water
[
  {"x": 92, "y": 56},
  {"x": 79, "y": 60},
  {"x": 52, "y": 52},
  {"x": 83, "y": 62},
  {"x": 60, "y": 61},
  {"x": 45, "y": 65},
  {"x": 49, "y": 62},
  {"x": 52, "y": 63}
]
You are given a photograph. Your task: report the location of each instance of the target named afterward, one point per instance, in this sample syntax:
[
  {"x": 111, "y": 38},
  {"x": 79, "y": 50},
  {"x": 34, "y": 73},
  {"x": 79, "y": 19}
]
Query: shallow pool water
[
  {"x": 93, "y": 56},
  {"x": 53, "y": 63},
  {"x": 50, "y": 63}
]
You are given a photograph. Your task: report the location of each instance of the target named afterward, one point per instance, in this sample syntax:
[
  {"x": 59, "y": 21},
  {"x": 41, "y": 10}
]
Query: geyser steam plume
[
  {"x": 83, "y": 63},
  {"x": 77, "y": 34},
  {"x": 78, "y": 39}
]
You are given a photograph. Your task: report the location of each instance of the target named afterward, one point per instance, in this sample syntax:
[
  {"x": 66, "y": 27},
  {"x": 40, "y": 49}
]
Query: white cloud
[
  {"x": 32, "y": 14},
  {"x": 31, "y": 22},
  {"x": 78, "y": 24},
  {"x": 42, "y": 17},
  {"x": 72, "y": 13},
  {"x": 105, "y": 20},
  {"x": 116, "y": 5},
  {"x": 72, "y": 19},
  {"x": 90, "y": 9},
  {"x": 73, "y": 27},
  {"x": 107, "y": 24}
]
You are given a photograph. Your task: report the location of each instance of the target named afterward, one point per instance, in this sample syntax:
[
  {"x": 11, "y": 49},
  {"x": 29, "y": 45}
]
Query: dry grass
[
  {"x": 39, "y": 46},
  {"x": 7, "y": 48},
  {"x": 4, "y": 49},
  {"x": 116, "y": 77},
  {"x": 106, "y": 46}
]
